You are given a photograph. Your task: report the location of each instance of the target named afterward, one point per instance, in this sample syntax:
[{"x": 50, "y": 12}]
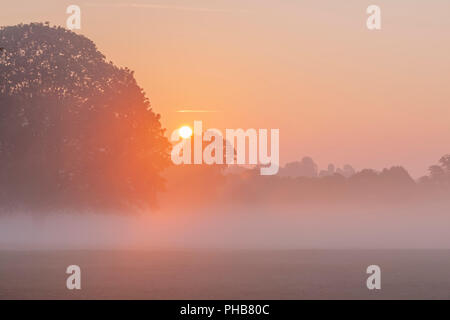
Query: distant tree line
[{"x": 302, "y": 183}]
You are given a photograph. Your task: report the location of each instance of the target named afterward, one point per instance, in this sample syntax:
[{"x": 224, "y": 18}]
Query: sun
[{"x": 185, "y": 132}]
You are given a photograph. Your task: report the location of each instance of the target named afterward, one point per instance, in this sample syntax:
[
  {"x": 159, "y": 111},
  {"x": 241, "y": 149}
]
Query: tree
[
  {"x": 436, "y": 173},
  {"x": 445, "y": 163},
  {"x": 76, "y": 132},
  {"x": 440, "y": 174},
  {"x": 397, "y": 177},
  {"x": 347, "y": 171},
  {"x": 304, "y": 168}
]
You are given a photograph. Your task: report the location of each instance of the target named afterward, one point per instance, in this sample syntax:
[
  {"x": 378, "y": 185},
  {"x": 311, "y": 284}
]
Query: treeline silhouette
[{"x": 302, "y": 183}]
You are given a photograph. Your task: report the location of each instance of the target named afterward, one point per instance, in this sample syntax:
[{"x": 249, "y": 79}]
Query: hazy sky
[{"x": 337, "y": 91}]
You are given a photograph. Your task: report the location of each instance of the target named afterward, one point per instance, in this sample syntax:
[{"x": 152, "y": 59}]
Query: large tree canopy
[{"x": 76, "y": 132}]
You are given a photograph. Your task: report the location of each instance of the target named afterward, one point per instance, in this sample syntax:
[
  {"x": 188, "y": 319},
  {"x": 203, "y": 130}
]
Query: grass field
[{"x": 222, "y": 274}]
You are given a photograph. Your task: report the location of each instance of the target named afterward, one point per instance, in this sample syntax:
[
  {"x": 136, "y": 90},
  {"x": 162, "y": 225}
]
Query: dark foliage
[{"x": 76, "y": 132}]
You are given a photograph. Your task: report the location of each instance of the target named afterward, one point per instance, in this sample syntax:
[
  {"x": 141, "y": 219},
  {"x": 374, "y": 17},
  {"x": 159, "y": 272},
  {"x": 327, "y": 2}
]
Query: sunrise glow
[{"x": 185, "y": 132}]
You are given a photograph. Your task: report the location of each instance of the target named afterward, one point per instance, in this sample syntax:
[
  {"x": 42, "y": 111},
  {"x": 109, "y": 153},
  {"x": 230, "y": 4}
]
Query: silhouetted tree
[
  {"x": 305, "y": 168},
  {"x": 76, "y": 132},
  {"x": 396, "y": 177},
  {"x": 445, "y": 163},
  {"x": 347, "y": 171},
  {"x": 331, "y": 170},
  {"x": 365, "y": 176},
  {"x": 436, "y": 172}
]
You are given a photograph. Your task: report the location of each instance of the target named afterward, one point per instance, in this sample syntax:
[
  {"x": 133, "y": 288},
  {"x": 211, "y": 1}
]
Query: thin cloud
[
  {"x": 158, "y": 6},
  {"x": 196, "y": 111}
]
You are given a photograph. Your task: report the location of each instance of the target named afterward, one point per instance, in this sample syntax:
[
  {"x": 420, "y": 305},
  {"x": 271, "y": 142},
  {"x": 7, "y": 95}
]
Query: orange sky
[{"x": 337, "y": 91}]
